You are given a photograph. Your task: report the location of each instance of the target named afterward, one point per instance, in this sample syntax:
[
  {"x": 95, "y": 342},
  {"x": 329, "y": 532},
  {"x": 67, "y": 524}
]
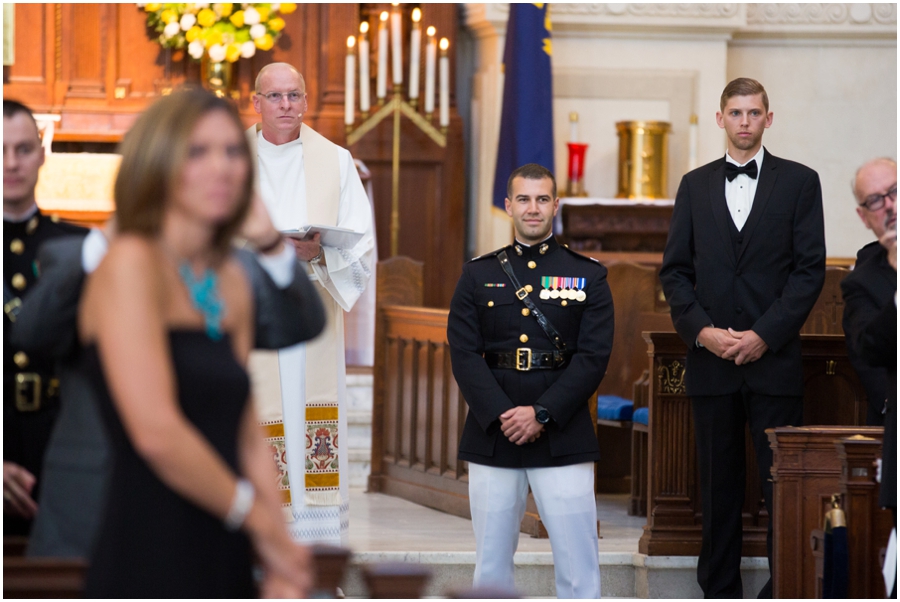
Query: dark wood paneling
[
  {"x": 86, "y": 30},
  {"x": 31, "y": 78}
]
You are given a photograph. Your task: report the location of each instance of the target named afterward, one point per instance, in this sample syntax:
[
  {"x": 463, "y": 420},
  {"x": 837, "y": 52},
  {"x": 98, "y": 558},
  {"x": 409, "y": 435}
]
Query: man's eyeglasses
[
  {"x": 876, "y": 201},
  {"x": 275, "y": 97}
]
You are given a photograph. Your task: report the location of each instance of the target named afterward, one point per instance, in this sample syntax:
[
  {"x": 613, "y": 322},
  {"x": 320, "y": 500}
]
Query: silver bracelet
[
  {"x": 244, "y": 494},
  {"x": 318, "y": 257}
]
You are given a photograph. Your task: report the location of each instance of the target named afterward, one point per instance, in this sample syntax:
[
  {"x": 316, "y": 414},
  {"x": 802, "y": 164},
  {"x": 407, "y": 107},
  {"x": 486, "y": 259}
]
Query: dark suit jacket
[
  {"x": 867, "y": 290},
  {"x": 878, "y": 345},
  {"x": 488, "y": 318},
  {"x": 770, "y": 284},
  {"x": 76, "y": 462}
]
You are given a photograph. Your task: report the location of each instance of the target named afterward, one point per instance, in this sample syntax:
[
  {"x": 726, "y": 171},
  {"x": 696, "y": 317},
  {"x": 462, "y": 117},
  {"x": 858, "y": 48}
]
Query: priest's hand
[
  {"x": 17, "y": 486},
  {"x": 749, "y": 347},
  {"x": 519, "y": 425},
  {"x": 717, "y": 340},
  {"x": 308, "y": 248}
]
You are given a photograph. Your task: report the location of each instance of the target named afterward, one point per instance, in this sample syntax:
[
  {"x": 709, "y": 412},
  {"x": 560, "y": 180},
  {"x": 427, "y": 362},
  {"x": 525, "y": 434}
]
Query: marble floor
[
  {"x": 386, "y": 529},
  {"x": 382, "y": 523}
]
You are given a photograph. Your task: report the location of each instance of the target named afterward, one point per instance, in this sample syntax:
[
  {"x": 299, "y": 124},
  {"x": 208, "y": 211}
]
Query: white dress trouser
[{"x": 565, "y": 500}]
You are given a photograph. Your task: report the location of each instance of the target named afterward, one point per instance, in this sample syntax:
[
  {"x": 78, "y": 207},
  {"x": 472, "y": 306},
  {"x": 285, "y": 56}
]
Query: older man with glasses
[
  {"x": 300, "y": 392},
  {"x": 870, "y": 286}
]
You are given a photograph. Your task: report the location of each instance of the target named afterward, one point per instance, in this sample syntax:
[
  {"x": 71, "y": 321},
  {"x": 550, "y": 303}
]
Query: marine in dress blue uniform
[
  {"x": 30, "y": 389},
  {"x": 514, "y": 378}
]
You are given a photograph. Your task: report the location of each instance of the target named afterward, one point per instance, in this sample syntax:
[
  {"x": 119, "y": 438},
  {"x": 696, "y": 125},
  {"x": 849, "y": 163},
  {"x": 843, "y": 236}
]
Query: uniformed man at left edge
[
  {"x": 30, "y": 389},
  {"x": 530, "y": 332}
]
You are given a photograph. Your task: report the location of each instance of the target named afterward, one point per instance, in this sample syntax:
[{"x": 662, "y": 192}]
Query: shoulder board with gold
[{"x": 491, "y": 254}]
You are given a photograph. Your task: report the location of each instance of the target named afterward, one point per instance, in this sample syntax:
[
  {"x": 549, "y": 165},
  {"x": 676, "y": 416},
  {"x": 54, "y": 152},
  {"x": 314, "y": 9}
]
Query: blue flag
[{"x": 526, "y": 125}]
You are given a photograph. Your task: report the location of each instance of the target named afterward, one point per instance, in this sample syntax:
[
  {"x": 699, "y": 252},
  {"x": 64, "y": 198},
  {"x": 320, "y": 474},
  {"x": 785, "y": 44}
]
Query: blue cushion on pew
[
  {"x": 612, "y": 407},
  {"x": 642, "y": 416}
]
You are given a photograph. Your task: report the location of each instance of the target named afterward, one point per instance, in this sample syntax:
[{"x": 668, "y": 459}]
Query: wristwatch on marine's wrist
[
  {"x": 541, "y": 414},
  {"x": 318, "y": 257}
]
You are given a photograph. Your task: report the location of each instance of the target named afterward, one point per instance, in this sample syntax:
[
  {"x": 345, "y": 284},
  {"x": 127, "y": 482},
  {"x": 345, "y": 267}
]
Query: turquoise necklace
[{"x": 205, "y": 297}]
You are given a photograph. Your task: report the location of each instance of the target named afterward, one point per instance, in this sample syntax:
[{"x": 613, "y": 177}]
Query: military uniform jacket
[
  {"x": 25, "y": 434},
  {"x": 486, "y": 316},
  {"x": 21, "y": 241}
]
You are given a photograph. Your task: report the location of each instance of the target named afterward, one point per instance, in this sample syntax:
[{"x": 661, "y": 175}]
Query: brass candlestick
[{"x": 396, "y": 106}]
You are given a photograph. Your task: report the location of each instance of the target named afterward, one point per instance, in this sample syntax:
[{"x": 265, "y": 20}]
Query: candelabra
[{"x": 396, "y": 106}]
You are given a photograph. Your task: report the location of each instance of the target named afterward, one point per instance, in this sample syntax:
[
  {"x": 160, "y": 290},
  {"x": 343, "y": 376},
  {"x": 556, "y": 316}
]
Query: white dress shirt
[{"x": 740, "y": 191}]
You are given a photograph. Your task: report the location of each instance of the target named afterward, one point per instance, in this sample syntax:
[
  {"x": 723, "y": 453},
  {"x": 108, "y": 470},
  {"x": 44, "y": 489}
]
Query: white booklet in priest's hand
[{"x": 331, "y": 236}]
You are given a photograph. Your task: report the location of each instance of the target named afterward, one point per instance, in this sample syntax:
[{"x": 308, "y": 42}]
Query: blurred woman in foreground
[{"x": 167, "y": 321}]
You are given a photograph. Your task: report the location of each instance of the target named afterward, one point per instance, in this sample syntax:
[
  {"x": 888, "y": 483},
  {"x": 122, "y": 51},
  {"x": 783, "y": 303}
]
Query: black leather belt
[
  {"x": 525, "y": 359},
  {"x": 32, "y": 391}
]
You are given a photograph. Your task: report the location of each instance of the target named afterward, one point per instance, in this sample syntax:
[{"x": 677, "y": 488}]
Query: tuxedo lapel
[
  {"x": 720, "y": 207},
  {"x": 767, "y": 177}
]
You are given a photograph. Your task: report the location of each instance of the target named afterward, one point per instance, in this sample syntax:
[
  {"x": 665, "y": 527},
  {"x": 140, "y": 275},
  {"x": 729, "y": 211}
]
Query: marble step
[
  {"x": 622, "y": 575},
  {"x": 359, "y": 425},
  {"x": 359, "y": 390}
]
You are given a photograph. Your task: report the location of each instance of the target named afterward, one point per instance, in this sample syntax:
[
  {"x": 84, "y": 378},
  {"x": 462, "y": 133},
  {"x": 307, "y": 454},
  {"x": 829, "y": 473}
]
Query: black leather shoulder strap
[{"x": 522, "y": 294}]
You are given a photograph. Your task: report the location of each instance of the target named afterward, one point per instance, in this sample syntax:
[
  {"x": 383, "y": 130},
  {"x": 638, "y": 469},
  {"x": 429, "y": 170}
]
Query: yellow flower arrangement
[{"x": 221, "y": 31}]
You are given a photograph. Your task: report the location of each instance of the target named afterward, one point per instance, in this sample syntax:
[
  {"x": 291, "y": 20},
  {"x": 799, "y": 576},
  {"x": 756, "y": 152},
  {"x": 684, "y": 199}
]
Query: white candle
[
  {"x": 415, "y": 49},
  {"x": 381, "y": 84},
  {"x": 692, "y": 145},
  {"x": 364, "y": 66},
  {"x": 350, "y": 82},
  {"x": 573, "y": 127},
  {"x": 445, "y": 84},
  {"x": 396, "y": 44},
  {"x": 430, "y": 61}
]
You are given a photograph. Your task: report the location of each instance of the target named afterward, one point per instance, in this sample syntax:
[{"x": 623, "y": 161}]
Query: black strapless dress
[{"x": 153, "y": 542}]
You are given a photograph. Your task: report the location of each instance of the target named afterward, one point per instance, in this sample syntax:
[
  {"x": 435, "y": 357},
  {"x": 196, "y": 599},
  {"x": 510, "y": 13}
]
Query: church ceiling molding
[{"x": 822, "y": 20}]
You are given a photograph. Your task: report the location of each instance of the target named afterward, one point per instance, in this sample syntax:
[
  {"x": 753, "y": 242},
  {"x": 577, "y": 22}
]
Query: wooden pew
[
  {"x": 330, "y": 563},
  {"x": 806, "y": 472},
  {"x": 39, "y": 577},
  {"x": 633, "y": 290},
  {"x": 868, "y": 524},
  {"x": 637, "y": 505},
  {"x": 396, "y": 580},
  {"x": 418, "y": 411},
  {"x": 43, "y": 577}
]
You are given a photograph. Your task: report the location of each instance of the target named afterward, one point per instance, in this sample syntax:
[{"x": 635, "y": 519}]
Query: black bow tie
[{"x": 732, "y": 171}]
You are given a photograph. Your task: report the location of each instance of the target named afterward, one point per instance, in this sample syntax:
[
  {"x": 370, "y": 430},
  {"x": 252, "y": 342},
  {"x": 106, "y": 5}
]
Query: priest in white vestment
[{"x": 300, "y": 392}]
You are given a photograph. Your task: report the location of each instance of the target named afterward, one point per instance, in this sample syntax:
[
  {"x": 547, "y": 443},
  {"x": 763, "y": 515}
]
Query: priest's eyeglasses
[
  {"x": 876, "y": 201},
  {"x": 275, "y": 97}
]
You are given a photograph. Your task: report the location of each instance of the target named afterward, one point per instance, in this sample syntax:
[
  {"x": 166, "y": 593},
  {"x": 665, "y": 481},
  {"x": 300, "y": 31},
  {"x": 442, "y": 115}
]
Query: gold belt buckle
[
  {"x": 11, "y": 309},
  {"x": 23, "y": 380},
  {"x": 523, "y": 359}
]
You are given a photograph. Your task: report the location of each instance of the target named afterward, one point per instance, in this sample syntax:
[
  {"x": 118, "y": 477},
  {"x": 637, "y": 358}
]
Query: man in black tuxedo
[
  {"x": 870, "y": 287},
  {"x": 743, "y": 265}
]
